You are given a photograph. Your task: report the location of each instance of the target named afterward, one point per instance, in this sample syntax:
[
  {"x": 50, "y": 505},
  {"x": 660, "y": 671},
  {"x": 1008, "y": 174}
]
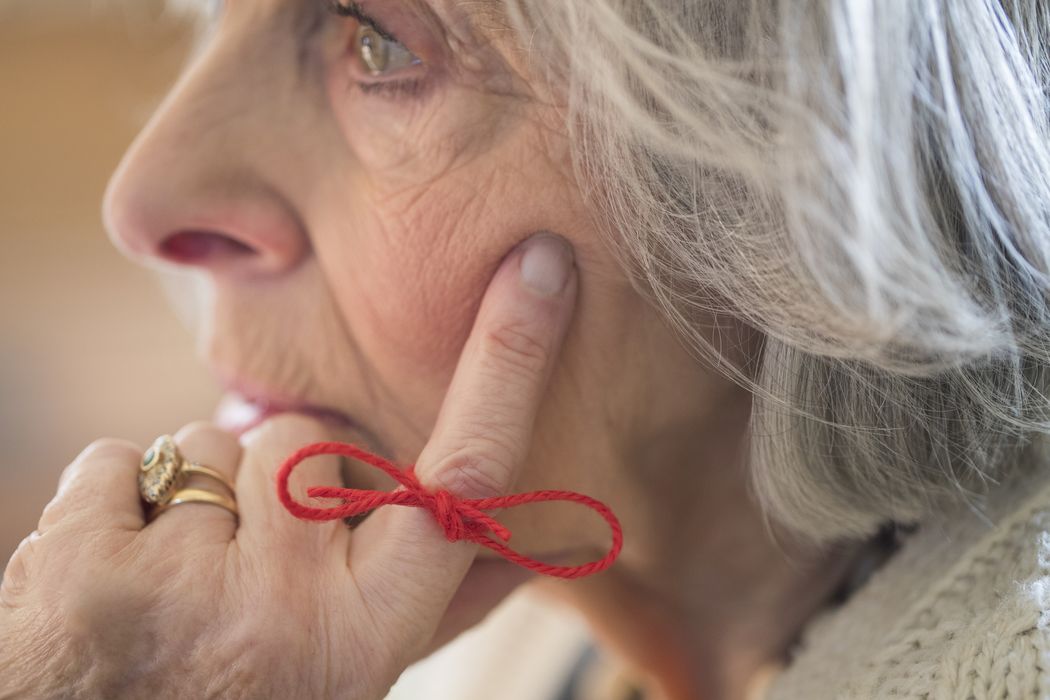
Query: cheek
[
  {"x": 408, "y": 278},
  {"x": 420, "y": 227},
  {"x": 418, "y": 298}
]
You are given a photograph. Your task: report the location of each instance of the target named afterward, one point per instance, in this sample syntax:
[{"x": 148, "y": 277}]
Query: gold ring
[
  {"x": 164, "y": 471},
  {"x": 191, "y": 468},
  {"x": 195, "y": 496}
]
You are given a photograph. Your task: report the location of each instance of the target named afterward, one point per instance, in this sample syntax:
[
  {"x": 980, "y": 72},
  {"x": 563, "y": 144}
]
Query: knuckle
[
  {"x": 206, "y": 442},
  {"x": 103, "y": 451},
  {"x": 18, "y": 575},
  {"x": 481, "y": 469},
  {"x": 69, "y": 512},
  {"x": 53, "y": 512},
  {"x": 516, "y": 346},
  {"x": 110, "y": 448},
  {"x": 197, "y": 426},
  {"x": 292, "y": 422},
  {"x": 494, "y": 431},
  {"x": 283, "y": 432}
]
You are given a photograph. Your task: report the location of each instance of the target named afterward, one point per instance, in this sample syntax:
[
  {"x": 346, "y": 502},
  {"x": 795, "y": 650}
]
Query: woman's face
[{"x": 348, "y": 194}]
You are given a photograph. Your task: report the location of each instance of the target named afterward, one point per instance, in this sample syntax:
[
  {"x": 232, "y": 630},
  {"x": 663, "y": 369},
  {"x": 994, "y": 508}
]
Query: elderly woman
[{"x": 770, "y": 280}]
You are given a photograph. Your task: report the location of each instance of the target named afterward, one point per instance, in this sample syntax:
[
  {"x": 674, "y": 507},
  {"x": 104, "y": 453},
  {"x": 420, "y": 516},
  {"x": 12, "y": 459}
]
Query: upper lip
[
  {"x": 339, "y": 425},
  {"x": 271, "y": 401},
  {"x": 255, "y": 391}
]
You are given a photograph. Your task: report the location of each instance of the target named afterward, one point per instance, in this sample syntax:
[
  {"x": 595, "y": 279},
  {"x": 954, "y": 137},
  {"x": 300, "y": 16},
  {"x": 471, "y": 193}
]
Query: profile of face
[{"x": 346, "y": 185}]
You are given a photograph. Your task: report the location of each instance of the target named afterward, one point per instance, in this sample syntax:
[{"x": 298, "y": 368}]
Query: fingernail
[{"x": 546, "y": 264}]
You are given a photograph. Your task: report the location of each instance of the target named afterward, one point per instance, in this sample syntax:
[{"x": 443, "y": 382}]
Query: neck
[{"x": 702, "y": 599}]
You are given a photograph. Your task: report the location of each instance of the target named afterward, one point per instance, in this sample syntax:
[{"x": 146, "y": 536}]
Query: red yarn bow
[{"x": 460, "y": 518}]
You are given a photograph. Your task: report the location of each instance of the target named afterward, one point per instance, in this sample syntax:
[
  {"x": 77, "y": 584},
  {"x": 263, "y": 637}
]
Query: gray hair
[{"x": 864, "y": 182}]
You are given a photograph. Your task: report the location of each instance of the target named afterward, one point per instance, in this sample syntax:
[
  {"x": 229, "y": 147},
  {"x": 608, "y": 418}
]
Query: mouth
[
  {"x": 239, "y": 411},
  {"x": 246, "y": 404}
]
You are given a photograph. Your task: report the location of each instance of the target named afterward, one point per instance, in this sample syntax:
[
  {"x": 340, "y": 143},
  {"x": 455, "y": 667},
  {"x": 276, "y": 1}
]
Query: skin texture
[
  {"x": 100, "y": 604},
  {"x": 347, "y": 234}
]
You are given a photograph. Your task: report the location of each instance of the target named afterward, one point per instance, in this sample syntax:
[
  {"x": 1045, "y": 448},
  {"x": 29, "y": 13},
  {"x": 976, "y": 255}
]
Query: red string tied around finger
[{"x": 461, "y": 519}]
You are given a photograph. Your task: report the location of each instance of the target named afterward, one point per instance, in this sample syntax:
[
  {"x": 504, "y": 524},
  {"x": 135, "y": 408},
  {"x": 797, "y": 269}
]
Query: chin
[{"x": 487, "y": 583}]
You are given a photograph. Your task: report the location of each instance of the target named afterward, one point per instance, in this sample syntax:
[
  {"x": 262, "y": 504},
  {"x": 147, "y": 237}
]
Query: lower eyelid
[
  {"x": 410, "y": 81},
  {"x": 410, "y": 87}
]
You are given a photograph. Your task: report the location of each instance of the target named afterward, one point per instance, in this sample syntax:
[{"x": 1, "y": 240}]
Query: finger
[
  {"x": 484, "y": 428},
  {"x": 99, "y": 489},
  {"x": 208, "y": 445},
  {"x": 265, "y": 524}
]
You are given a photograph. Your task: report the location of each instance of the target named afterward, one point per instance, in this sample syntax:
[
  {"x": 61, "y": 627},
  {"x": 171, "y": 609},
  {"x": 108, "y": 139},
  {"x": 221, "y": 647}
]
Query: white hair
[{"x": 867, "y": 184}]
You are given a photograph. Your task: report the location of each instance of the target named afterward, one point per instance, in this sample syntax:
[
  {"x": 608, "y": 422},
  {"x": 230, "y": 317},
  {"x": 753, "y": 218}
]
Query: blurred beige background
[{"x": 88, "y": 345}]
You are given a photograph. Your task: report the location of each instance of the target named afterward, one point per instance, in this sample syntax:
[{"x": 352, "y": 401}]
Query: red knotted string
[{"x": 460, "y": 518}]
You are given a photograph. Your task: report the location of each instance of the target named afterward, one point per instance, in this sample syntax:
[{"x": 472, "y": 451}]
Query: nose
[{"x": 192, "y": 191}]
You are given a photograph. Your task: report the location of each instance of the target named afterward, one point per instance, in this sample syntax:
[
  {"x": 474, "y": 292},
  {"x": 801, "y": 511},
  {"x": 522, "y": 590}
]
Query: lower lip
[{"x": 238, "y": 415}]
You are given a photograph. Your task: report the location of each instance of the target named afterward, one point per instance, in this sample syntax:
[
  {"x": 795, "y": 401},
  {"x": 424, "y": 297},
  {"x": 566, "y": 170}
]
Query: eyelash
[{"x": 410, "y": 87}]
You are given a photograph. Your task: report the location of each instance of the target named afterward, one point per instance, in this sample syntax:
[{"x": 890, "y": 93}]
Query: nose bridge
[
  {"x": 212, "y": 156},
  {"x": 248, "y": 83},
  {"x": 197, "y": 131}
]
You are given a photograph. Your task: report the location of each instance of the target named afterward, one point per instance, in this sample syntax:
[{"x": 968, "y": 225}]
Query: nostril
[{"x": 202, "y": 248}]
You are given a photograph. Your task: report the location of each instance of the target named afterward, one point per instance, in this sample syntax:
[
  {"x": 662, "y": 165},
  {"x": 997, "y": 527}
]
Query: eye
[
  {"x": 382, "y": 55},
  {"x": 382, "y": 65}
]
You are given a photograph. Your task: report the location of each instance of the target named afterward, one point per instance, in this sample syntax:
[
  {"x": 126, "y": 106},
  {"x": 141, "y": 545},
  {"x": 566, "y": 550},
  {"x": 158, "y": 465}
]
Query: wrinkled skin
[
  {"x": 100, "y": 604},
  {"x": 384, "y": 216},
  {"x": 346, "y": 234}
]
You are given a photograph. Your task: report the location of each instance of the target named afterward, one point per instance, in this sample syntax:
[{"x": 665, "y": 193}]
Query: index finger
[{"x": 483, "y": 431}]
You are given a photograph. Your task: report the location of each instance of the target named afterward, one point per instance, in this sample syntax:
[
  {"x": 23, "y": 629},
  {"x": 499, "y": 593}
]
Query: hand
[{"x": 99, "y": 604}]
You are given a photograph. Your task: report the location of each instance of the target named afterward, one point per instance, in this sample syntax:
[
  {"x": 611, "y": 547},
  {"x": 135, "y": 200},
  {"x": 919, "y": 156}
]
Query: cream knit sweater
[{"x": 960, "y": 612}]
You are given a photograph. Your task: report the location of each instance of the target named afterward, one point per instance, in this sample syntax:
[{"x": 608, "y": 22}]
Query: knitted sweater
[{"x": 960, "y": 612}]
